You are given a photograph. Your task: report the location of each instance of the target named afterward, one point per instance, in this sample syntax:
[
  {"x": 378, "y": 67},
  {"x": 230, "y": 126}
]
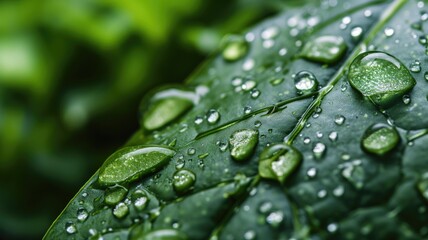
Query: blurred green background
[{"x": 72, "y": 73}]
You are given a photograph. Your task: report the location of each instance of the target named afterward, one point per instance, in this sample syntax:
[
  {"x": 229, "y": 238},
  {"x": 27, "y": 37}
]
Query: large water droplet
[
  {"x": 114, "y": 195},
  {"x": 305, "y": 82},
  {"x": 242, "y": 144},
  {"x": 234, "y": 48},
  {"x": 183, "y": 181},
  {"x": 130, "y": 163},
  {"x": 325, "y": 49},
  {"x": 278, "y": 162},
  {"x": 120, "y": 210},
  {"x": 165, "y": 106},
  {"x": 380, "y": 139},
  {"x": 380, "y": 77},
  {"x": 82, "y": 214}
]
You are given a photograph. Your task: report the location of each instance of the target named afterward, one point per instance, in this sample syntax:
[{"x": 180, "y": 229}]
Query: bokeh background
[{"x": 72, "y": 73}]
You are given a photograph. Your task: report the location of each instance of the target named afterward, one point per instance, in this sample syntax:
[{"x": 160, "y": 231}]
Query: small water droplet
[
  {"x": 353, "y": 172},
  {"x": 356, "y": 32},
  {"x": 415, "y": 66},
  {"x": 389, "y": 31},
  {"x": 275, "y": 218},
  {"x": 248, "y": 85},
  {"x": 423, "y": 40},
  {"x": 333, "y": 136},
  {"x": 82, "y": 214},
  {"x": 380, "y": 77},
  {"x": 276, "y": 81},
  {"x": 234, "y": 48},
  {"x": 70, "y": 228},
  {"x": 255, "y": 93},
  {"x": 114, "y": 195},
  {"x": 120, "y": 210},
  {"x": 312, "y": 172},
  {"x": 198, "y": 120},
  {"x": 183, "y": 181},
  {"x": 319, "y": 150},
  {"x": 324, "y": 49},
  {"x": 322, "y": 193},
  {"x": 247, "y": 110},
  {"x": 338, "y": 191},
  {"x": 191, "y": 151},
  {"x": 424, "y": 15},
  {"x": 250, "y": 235},
  {"x": 242, "y": 143},
  {"x": 367, "y": 13},
  {"x": 270, "y": 32},
  {"x": 332, "y": 227},
  {"x": 423, "y": 188},
  {"x": 305, "y": 82},
  {"x": 265, "y": 207},
  {"x": 380, "y": 139},
  {"x": 257, "y": 124},
  {"x": 213, "y": 116},
  {"x": 406, "y": 99},
  {"x": 426, "y": 76},
  {"x": 248, "y": 64},
  {"x": 140, "y": 200},
  {"x": 416, "y": 26},
  {"x": 306, "y": 140},
  {"x": 282, "y": 52},
  {"x": 339, "y": 119}
]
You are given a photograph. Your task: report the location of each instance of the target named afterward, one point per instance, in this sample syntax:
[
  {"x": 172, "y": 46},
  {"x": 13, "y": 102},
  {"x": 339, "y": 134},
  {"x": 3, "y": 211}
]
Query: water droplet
[
  {"x": 346, "y": 20},
  {"x": 275, "y": 218},
  {"x": 319, "y": 150},
  {"x": 70, "y": 228},
  {"x": 380, "y": 77},
  {"x": 198, "y": 120},
  {"x": 140, "y": 200},
  {"x": 406, "y": 99},
  {"x": 282, "y": 52},
  {"x": 332, "y": 227},
  {"x": 278, "y": 162},
  {"x": 415, "y": 66},
  {"x": 423, "y": 40},
  {"x": 213, "y": 116},
  {"x": 121, "y": 210},
  {"x": 339, "y": 119},
  {"x": 82, "y": 214},
  {"x": 270, "y": 32},
  {"x": 165, "y": 107},
  {"x": 257, "y": 124},
  {"x": 265, "y": 207},
  {"x": 276, "y": 81},
  {"x": 356, "y": 33},
  {"x": 191, "y": 151},
  {"x": 248, "y": 64},
  {"x": 234, "y": 48},
  {"x": 255, "y": 93},
  {"x": 183, "y": 181},
  {"x": 305, "y": 82},
  {"x": 424, "y": 15},
  {"x": 416, "y": 26},
  {"x": 114, "y": 195},
  {"x": 248, "y": 85},
  {"x": 380, "y": 139},
  {"x": 130, "y": 163},
  {"x": 250, "y": 235},
  {"x": 388, "y": 31},
  {"x": 242, "y": 144},
  {"x": 247, "y": 110},
  {"x": 423, "y": 188},
  {"x": 333, "y": 136},
  {"x": 312, "y": 172},
  {"x": 322, "y": 193},
  {"x": 268, "y": 43},
  {"x": 306, "y": 140},
  {"x": 163, "y": 234},
  {"x": 354, "y": 173},
  {"x": 426, "y": 76},
  {"x": 338, "y": 191},
  {"x": 324, "y": 49}
]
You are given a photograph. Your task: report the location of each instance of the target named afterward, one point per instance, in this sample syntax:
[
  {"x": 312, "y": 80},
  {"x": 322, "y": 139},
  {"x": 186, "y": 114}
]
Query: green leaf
[{"x": 348, "y": 178}]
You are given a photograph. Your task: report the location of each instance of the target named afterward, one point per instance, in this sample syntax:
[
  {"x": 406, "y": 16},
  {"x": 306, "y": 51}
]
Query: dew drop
[
  {"x": 333, "y": 136},
  {"x": 255, "y": 93},
  {"x": 247, "y": 110},
  {"x": 165, "y": 107},
  {"x": 114, "y": 195},
  {"x": 183, "y": 181},
  {"x": 332, "y": 227},
  {"x": 406, "y": 99},
  {"x": 163, "y": 234},
  {"x": 82, "y": 214},
  {"x": 324, "y": 49},
  {"x": 388, "y": 31},
  {"x": 198, "y": 120},
  {"x": 270, "y": 32},
  {"x": 70, "y": 228},
  {"x": 265, "y": 207},
  {"x": 380, "y": 139},
  {"x": 275, "y": 218},
  {"x": 423, "y": 188},
  {"x": 234, "y": 48},
  {"x": 415, "y": 66},
  {"x": 279, "y": 161},
  {"x": 380, "y": 77},
  {"x": 248, "y": 85},
  {"x": 140, "y": 200},
  {"x": 319, "y": 150},
  {"x": 322, "y": 193},
  {"x": 367, "y": 13},
  {"x": 130, "y": 163},
  {"x": 248, "y": 64},
  {"x": 312, "y": 172},
  {"x": 305, "y": 82},
  {"x": 356, "y": 32},
  {"x": 339, "y": 119},
  {"x": 213, "y": 116},
  {"x": 354, "y": 173},
  {"x": 282, "y": 52},
  {"x": 338, "y": 191},
  {"x": 250, "y": 235},
  {"x": 242, "y": 144},
  {"x": 306, "y": 140},
  {"x": 120, "y": 210},
  {"x": 276, "y": 81},
  {"x": 191, "y": 151}
]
